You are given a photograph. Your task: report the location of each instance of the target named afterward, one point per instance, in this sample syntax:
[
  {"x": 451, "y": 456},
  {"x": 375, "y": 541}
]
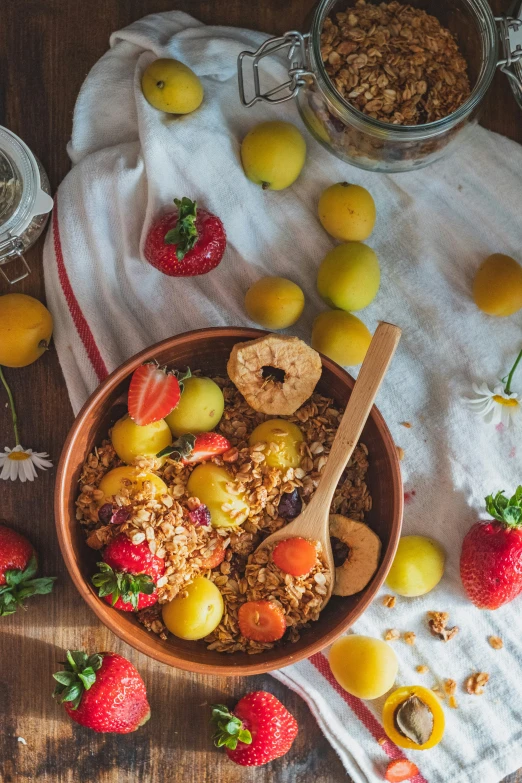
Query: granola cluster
[
  {"x": 395, "y": 63},
  {"x": 163, "y": 521}
]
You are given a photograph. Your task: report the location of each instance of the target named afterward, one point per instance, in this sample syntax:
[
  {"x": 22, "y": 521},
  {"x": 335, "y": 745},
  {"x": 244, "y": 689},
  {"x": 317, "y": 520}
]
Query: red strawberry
[
  {"x": 18, "y": 567},
  {"x": 186, "y": 242},
  {"x": 258, "y": 731},
  {"x": 216, "y": 557},
  {"x": 154, "y": 392},
  {"x": 127, "y": 577},
  {"x": 190, "y": 449},
  {"x": 103, "y": 692},
  {"x": 262, "y": 621},
  {"x": 400, "y": 770},
  {"x": 491, "y": 557}
]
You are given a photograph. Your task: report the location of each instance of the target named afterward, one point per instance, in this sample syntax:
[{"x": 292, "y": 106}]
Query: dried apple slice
[{"x": 361, "y": 549}]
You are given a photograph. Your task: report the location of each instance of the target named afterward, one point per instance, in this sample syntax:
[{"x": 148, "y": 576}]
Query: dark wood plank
[{"x": 46, "y": 49}]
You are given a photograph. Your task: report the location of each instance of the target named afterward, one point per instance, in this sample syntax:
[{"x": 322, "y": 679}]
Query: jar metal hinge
[
  {"x": 10, "y": 250},
  {"x": 511, "y": 54},
  {"x": 295, "y": 43}
]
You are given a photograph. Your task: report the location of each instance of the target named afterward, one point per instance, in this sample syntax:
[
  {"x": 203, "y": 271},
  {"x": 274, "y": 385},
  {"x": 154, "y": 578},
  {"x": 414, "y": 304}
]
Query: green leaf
[
  {"x": 516, "y": 500},
  {"x": 507, "y": 511},
  {"x": 72, "y": 692},
  {"x": 88, "y": 677},
  {"x": 43, "y": 585},
  {"x": 180, "y": 448},
  {"x": 14, "y": 577},
  {"x": 77, "y": 659},
  {"x": 32, "y": 568},
  {"x": 95, "y": 661},
  {"x": 245, "y": 736},
  {"x": 513, "y": 516},
  {"x": 184, "y": 234},
  {"x": 65, "y": 677}
]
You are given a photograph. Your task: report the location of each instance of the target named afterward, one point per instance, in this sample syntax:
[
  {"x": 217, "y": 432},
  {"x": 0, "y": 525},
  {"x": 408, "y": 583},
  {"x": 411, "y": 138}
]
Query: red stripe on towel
[
  {"x": 82, "y": 327},
  {"x": 360, "y": 709}
]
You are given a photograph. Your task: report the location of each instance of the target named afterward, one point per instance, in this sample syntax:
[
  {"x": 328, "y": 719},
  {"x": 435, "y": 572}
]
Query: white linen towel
[{"x": 433, "y": 229}]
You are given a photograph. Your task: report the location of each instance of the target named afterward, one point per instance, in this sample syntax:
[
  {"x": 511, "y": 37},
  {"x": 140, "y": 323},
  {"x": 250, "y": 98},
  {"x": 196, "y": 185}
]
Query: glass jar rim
[
  {"x": 25, "y": 163},
  {"x": 409, "y": 132}
]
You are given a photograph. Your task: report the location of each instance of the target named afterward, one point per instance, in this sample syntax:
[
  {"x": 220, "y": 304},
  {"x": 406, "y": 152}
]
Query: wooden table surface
[{"x": 46, "y": 49}]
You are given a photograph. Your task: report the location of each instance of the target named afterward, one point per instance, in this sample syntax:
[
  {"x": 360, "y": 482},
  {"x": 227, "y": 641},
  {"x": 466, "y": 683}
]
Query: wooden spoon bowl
[{"x": 208, "y": 350}]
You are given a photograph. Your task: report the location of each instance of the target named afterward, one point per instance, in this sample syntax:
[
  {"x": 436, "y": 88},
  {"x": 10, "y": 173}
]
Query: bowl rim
[{"x": 111, "y": 619}]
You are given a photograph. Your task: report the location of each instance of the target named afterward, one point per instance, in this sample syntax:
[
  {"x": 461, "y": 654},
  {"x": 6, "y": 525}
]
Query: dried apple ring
[
  {"x": 275, "y": 374},
  {"x": 362, "y": 550}
]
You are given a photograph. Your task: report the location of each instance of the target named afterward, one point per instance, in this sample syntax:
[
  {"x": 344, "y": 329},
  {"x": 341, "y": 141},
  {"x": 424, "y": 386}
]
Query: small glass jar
[
  {"x": 370, "y": 143},
  {"x": 25, "y": 203}
]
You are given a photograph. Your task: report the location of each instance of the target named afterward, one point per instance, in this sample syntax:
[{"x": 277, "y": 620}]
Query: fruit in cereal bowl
[
  {"x": 196, "y": 610},
  {"x": 215, "y": 487},
  {"x": 221, "y": 554},
  {"x": 131, "y": 441},
  {"x": 281, "y": 440},
  {"x": 125, "y": 481},
  {"x": 200, "y": 408}
]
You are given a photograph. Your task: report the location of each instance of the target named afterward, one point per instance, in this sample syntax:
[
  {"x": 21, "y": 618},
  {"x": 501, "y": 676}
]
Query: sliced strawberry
[
  {"x": 190, "y": 449},
  {"x": 154, "y": 392},
  {"x": 261, "y": 621},
  {"x": 400, "y": 770},
  {"x": 295, "y": 556},
  {"x": 217, "y": 556},
  {"x": 207, "y": 446}
]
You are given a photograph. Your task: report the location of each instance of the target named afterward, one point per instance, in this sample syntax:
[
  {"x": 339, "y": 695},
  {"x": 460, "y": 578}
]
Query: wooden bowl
[{"x": 208, "y": 350}]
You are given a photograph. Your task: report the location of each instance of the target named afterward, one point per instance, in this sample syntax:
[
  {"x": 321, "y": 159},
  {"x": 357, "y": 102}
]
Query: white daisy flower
[
  {"x": 500, "y": 406},
  {"x": 496, "y": 407},
  {"x": 19, "y": 463}
]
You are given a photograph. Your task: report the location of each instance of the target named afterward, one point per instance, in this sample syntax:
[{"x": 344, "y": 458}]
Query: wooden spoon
[{"x": 313, "y": 522}]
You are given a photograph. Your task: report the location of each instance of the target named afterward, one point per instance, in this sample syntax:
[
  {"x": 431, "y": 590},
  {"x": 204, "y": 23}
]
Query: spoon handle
[{"x": 373, "y": 370}]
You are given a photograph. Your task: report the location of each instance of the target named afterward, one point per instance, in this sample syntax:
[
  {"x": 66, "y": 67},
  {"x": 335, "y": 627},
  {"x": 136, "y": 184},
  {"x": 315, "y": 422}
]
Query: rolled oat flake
[{"x": 25, "y": 203}]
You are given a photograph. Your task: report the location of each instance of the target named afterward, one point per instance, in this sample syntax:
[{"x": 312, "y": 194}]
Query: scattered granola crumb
[
  {"x": 437, "y": 691},
  {"x": 406, "y": 424},
  {"x": 400, "y": 452},
  {"x": 476, "y": 682},
  {"x": 409, "y": 637},
  {"x": 450, "y": 687},
  {"x": 389, "y": 601},
  {"x": 496, "y": 642},
  {"x": 392, "y": 634},
  {"x": 382, "y": 740},
  {"x": 422, "y": 669},
  {"x": 21, "y": 740},
  {"x": 452, "y": 702},
  {"x": 437, "y": 622}
]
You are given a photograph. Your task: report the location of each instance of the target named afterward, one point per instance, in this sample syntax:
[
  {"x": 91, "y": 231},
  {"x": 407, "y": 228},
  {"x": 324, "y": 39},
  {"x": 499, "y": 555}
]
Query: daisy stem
[
  {"x": 14, "y": 417},
  {"x": 512, "y": 372}
]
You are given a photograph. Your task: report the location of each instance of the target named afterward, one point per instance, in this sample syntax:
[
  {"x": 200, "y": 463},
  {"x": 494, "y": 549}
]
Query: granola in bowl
[{"x": 155, "y": 507}]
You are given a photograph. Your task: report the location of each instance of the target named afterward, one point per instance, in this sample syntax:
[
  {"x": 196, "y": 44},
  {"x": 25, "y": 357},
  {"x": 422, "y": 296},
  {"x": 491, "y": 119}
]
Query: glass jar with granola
[{"x": 391, "y": 86}]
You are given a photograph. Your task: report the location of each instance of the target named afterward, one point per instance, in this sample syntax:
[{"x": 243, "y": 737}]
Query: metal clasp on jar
[
  {"x": 10, "y": 250},
  {"x": 512, "y": 54},
  {"x": 297, "y": 72}
]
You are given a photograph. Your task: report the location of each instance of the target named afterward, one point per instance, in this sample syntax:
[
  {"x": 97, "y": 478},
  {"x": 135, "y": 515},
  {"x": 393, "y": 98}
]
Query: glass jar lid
[
  {"x": 515, "y": 46},
  {"x": 19, "y": 185}
]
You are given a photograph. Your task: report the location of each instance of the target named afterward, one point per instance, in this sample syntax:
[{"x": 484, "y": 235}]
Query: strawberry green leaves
[
  {"x": 119, "y": 584},
  {"x": 185, "y": 234},
  {"x": 506, "y": 510},
  {"x": 180, "y": 448},
  {"x": 229, "y": 729},
  {"x": 21, "y": 585},
  {"x": 79, "y": 675}
]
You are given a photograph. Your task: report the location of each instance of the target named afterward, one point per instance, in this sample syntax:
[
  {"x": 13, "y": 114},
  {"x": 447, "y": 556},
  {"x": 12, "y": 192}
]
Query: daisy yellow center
[
  {"x": 511, "y": 403},
  {"x": 18, "y": 456}
]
